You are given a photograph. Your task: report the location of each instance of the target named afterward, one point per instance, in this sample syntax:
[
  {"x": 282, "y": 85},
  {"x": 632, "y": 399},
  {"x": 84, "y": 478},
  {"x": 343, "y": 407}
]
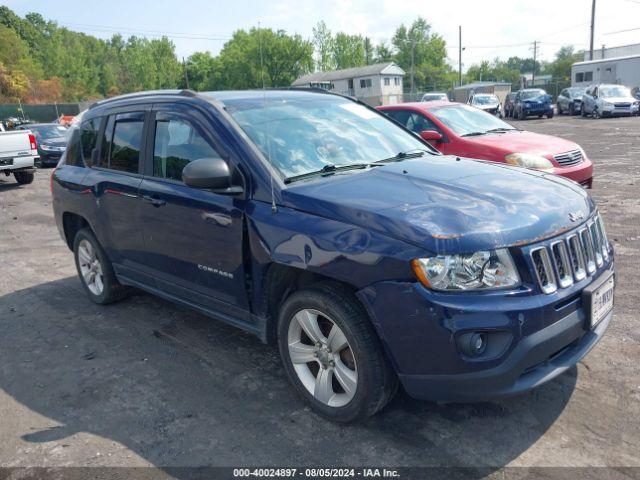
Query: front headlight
[
  {"x": 606, "y": 104},
  {"x": 486, "y": 270},
  {"x": 529, "y": 160}
]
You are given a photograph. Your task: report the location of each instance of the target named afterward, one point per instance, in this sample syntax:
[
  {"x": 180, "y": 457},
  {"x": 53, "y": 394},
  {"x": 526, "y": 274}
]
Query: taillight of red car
[{"x": 32, "y": 142}]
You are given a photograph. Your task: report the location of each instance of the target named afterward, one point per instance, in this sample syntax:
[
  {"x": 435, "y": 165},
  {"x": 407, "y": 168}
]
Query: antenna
[{"x": 274, "y": 207}]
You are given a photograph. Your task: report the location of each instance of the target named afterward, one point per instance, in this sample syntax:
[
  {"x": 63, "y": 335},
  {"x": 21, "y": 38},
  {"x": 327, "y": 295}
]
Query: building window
[
  {"x": 396, "y": 81},
  {"x": 365, "y": 83},
  {"x": 579, "y": 77},
  {"x": 387, "y": 81},
  {"x": 588, "y": 76}
]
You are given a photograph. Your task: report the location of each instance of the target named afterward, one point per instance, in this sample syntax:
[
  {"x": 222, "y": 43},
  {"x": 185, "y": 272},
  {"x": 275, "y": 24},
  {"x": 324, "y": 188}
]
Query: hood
[
  {"x": 525, "y": 142},
  {"x": 619, "y": 99},
  {"x": 447, "y": 205},
  {"x": 54, "y": 142},
  {"x": 487, "y": 106}
]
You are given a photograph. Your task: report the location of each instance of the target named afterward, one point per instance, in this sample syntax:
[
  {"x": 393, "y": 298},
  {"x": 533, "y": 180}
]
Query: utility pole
[
  {"x": 186, "y": 73},
  {"x": 413, "y": 49},
  {"x": 593, "y": 27},
  {"x": 535, "y": 56},
  {"x": 459, "y": 54}
]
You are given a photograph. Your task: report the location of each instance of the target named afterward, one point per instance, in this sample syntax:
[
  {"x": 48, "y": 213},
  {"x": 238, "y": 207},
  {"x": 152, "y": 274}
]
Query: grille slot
[
  {"x": 577, "y": 257},
  {"x": 572, "y": 258},
  {"x": 567, "y": 159},
  {"x": 562, "y": 264},
  {"x": 544, "y": 270}
]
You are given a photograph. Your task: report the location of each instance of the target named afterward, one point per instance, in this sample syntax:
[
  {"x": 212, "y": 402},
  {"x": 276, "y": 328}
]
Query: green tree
[
  {"x": 560, "y": 68},
  {"x": 348, "y": 51},
  {"x": 323, "y": 42},
  {"x": 202, "y": 69},
  {"x": 263, "y": 54}
]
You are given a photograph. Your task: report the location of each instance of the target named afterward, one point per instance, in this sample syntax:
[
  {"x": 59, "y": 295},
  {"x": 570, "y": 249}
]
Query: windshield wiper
[
  {"x": 329, "y": 169},
  {"x": 418, "y": 152},
  {"x": 500, "y": 129},
  {"x": 473, "y": 134}
]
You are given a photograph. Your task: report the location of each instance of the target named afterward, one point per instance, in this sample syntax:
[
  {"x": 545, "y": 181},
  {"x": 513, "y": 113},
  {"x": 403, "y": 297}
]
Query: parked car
[
  {"x": 532, "y": 102},
  {"x": 18, "y": 153},
  {"x": 315, "y": 222},
  {"x": 457, "y": 129},
  {"x": 509, "y": 104},
  {"x": 51, "y": 140},
  {"x": 433, "y": 96},
  {"x": 487, "y": 102},
  {"x": 570, "y": 100},
  {"x": 608, "y": 101}
]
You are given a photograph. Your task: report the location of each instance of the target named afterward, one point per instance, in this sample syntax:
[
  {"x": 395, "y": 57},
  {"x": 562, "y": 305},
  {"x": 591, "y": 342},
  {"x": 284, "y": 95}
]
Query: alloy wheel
[
  {"x": 90, "y": 267},
  {"x": 322, "y": 358}
]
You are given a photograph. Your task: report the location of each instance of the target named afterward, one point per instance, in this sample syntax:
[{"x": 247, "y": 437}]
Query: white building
[
  {"x": 621, "y": 70},
  {"x": 613, "y": 52},
  {"x": 379, "y": 84}
]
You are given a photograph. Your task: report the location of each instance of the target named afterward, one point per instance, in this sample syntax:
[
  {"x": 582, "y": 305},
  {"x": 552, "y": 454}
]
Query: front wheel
[
  {"x": 95, "y": 270},
  {"x": 583, "y": 112},
  {"x": 572, "y": 109},
  {"x": 559, "y": 108},
  {"x": 24, "y": 178},
  {"x": 550, "y": 114},
  {"x": 332, "y": 355}
]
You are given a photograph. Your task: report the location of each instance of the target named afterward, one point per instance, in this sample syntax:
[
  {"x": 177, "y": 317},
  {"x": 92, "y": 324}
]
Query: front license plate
[{"x": 602, "y": 301}]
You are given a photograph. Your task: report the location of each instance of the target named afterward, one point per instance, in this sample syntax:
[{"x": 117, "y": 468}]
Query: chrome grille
[
  {"x": 572, "y": 258},
  {"x": 569, "y": 158}
]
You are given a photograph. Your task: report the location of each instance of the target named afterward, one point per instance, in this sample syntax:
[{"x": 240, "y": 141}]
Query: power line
[
  {"x": 111, "y": 29},
  {"x": 622, "y": 31}
]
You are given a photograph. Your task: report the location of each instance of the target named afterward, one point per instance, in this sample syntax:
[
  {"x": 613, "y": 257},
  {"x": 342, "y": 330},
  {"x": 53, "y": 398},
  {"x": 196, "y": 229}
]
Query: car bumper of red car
[{"x": 581, "y": 173}]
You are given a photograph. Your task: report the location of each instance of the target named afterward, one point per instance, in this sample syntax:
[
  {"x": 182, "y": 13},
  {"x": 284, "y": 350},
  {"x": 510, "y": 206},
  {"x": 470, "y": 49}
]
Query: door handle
[{"x": 153, "y": 200}]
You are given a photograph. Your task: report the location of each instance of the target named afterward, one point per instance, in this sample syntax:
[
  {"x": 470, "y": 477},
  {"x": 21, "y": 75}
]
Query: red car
[{"x": 457, "y": 129}]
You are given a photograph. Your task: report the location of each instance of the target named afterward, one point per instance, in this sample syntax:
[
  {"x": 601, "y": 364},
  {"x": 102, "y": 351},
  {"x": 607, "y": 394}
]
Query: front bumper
[
  {"x": 540, "y": 336},
  {"x": 536, "y": 360}
]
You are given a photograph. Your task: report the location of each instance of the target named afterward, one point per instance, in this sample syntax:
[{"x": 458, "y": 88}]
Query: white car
[
  {"x": 435, "y": 97},
  {"x": 487, "y": 102},
  {"x": 608, "y": 101},
  {"x": 18, "y": 153}
]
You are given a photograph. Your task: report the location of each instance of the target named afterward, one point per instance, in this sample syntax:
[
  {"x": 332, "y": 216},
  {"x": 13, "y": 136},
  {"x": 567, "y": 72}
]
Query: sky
[{"x": 490, "y": 29}]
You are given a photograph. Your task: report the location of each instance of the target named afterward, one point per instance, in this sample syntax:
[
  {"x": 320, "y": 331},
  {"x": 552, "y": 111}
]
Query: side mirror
[
  {"x": 209, "y": 173},
  {"x": 431, "y": 136}
]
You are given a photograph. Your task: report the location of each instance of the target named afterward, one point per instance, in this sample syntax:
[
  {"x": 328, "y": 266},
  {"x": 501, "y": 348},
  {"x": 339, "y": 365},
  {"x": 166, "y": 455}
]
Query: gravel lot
[{"x": 146, "y": 383}]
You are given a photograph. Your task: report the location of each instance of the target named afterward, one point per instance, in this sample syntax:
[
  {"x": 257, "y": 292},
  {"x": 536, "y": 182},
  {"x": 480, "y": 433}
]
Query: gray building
[
  {"x": 379, "y": 84},
  {"x": 612, "y": 52},
  {"x": 622, "y": 70},
  {"x": 463, "y": 92}
]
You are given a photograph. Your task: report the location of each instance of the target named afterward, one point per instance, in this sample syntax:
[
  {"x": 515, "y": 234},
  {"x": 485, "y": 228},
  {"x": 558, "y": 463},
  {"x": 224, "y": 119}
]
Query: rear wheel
[
  {"x": 95, "y": 270},
  {"x": 332, "y": 356},
  {"x": 24, "y": 178}
]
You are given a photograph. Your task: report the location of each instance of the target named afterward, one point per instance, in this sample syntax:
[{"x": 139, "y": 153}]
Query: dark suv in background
[{"x": 317, "y": 223}]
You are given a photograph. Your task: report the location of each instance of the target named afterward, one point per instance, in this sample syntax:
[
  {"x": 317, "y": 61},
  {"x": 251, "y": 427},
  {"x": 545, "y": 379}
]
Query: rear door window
[
  {"x": 73, "y": 153},
  {"x": 123, "y": 142}
]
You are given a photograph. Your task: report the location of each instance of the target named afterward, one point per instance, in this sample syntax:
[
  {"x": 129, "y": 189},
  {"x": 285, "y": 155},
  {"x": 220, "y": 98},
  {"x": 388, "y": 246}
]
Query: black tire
[
  {"x": 376, "y": 380},
  {"x": 583, "y": 112},
  {"x": 572, "y": 109},
  {"x": 112, "y": 289},
  {"x": 24, "y": 178},
  {"x": 550, "y": 114},
  {"x": 521, "y": 115},
  {"x": 540, "y": 116},
  {"x": 559, "y": 108}
]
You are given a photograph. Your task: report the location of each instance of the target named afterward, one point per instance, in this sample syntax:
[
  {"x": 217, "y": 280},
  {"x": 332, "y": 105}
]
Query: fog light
[{"x": 477, "y": 344}]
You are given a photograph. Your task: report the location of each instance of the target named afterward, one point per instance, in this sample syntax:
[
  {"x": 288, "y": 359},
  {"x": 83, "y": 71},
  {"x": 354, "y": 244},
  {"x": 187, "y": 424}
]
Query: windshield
[
  {"x": 615, "y": 91},
  {"x": 576, "y": 92},
  {"x": 434, "y": 96},
  {"x": 47, "y": 132},
  {"x": 464, "y": 120},
  {"x": 532, "y": 93},
  {"x": 303, "y": 134},
  {"x": 484, "y": 100}
]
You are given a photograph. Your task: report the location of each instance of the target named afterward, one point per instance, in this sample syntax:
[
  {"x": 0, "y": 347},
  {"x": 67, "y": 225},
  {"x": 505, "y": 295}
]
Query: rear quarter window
[
  {"x": 88, "y": 138},
  {"x": 73, "y": 154}
]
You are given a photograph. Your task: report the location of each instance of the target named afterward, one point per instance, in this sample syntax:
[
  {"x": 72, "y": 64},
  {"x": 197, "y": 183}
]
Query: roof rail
[{"x": 147, "y": 93}]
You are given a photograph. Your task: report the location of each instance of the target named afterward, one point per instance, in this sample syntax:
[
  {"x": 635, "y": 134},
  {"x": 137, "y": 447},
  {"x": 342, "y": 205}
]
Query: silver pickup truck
[{"x": 18, "y": 153}]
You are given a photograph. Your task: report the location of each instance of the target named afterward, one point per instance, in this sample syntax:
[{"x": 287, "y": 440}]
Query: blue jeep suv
[{"x": 319, "y": 224}]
